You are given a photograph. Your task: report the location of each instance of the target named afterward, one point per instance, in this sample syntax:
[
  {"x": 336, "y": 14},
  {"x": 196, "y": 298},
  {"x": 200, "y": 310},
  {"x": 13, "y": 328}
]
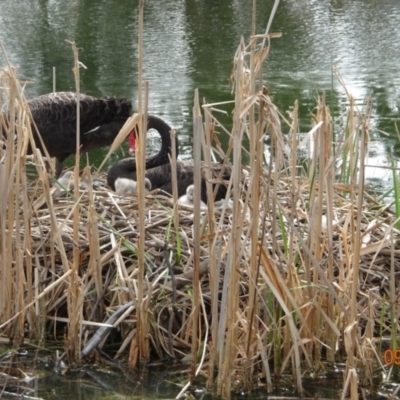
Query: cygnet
[
  {"x": 220, "y": 204},
  {"x": 188, "y": 198},
  {"x": 126, "y": 186},
  {"x": 65, "y": 181}
]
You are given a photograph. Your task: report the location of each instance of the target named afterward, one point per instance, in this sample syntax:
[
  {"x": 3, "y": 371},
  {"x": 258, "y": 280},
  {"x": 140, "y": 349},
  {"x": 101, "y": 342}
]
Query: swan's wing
[
  {"x": 55, "y": 117},
  {"x": 59, "y": 109},
  {"x": 161, "y": 176}
]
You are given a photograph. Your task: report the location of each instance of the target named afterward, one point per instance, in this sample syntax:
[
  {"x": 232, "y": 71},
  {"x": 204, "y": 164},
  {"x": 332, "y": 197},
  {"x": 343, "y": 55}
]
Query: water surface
[{"x": 190, "y": 44}]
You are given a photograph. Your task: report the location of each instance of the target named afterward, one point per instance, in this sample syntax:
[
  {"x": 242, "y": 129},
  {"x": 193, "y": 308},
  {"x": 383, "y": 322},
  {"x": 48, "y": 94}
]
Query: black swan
[
  {"x": 54, "y": 115},
  {"x": 126, "y": 168},
  {"x": 158, "y": 168}
]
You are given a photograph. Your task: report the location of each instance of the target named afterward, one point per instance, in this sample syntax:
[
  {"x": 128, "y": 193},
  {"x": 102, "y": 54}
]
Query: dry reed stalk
[
  {"x": 22, "y": 245},
  {"x": 349, "y": 151},
  {"x": 313, "y": 238},
  {"x": 320, "y": 227},
  {"x": 15, "y": 251},
  {"x": 317, "y": 205},
  {"x": 214, "y": 248},
  {"x": 394, "y": 312},
  {"x": 352, "y": 328},
  {"x": 293, "y": 132},
  {"x": 129, "y": 125},
  {"x": 227, "y": 336},
  {"x": 141, "y": 341},
  {"x": 122, "y": 278},
  {"x": 328, "y": 174},
  {"x": 46, "y": 291},
  {"x": 8, "y": 214},
  {"x": 32, "y": 316},
  {"x": 75, "y": 295},
  {"x": 197, "y": 137},
  {"x": 272, "y": 195},
  {"x": 175, "y": 218},
  {"x": 292, "y": 279},
  {"x": 172, "y": 161},
  {"x": 256, "y": 150},
  {"x": 95, "y": 262},
  {"x": 19, "y": 239}
]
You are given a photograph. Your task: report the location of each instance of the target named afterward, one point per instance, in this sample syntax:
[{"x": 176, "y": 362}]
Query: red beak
[{"x": 132, "y": 142}]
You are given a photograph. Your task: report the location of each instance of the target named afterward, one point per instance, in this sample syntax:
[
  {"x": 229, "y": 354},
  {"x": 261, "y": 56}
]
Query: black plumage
[
  {"x": 158, "y": 168},
  {"x": 55, "y": 120}
]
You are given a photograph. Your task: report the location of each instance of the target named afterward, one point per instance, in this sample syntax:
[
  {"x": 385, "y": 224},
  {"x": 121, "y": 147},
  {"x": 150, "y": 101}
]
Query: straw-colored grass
[{"x": 301, "y": 270}]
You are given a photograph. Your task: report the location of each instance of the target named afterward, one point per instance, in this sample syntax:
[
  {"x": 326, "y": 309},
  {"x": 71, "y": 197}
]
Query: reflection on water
[{"x": 33, "y": 375}]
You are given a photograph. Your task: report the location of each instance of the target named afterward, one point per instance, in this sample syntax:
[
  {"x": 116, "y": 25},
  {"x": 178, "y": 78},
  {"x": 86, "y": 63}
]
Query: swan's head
[
  {"x": 67, "y": 175},
  {"x": 147, "y": 184},
  {"x": 65, "y": 179},
  {"x": 84, "y": 183},
  {"x": 190, "y": 193}
]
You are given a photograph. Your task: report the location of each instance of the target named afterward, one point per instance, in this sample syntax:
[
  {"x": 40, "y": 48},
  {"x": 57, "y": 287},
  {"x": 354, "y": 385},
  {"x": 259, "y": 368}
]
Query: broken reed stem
[
  {"x": 271, "y": 18},
  {"x": 197, "y": 137}
]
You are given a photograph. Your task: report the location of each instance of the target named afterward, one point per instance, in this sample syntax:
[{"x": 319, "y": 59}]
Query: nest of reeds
[{"x": 108, "y": 245}]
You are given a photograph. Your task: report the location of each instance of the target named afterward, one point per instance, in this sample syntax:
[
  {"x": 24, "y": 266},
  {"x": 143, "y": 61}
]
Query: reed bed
[{"x": 299, "y": 271}]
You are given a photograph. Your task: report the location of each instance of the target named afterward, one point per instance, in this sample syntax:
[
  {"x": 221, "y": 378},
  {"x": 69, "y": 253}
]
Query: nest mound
[{"x": 108, "y": 263}]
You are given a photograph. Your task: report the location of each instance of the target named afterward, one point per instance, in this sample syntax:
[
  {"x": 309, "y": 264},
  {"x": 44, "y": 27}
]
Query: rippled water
[
  {"x": 36, "y": 379},
  {"x": 190, "y": 44},
  {"x": 358, "y": 38}
]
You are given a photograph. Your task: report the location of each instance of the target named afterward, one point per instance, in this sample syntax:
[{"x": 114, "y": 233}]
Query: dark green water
[
  {"x": 116, "y": 382},
  {"x": 190, "y": 44}
]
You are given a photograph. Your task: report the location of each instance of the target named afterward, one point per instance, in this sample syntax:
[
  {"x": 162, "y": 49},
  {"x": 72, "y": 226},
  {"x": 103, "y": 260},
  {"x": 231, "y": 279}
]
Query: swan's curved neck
[
  {"x": 126, "y": 168},
  {"x": 165, "y": 132}
]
